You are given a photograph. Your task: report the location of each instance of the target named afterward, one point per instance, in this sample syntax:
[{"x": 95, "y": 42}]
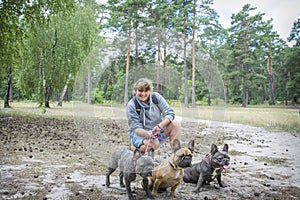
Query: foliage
[
  {"x": 97, "y": 96},
  {"x": 44, "y": 43}
]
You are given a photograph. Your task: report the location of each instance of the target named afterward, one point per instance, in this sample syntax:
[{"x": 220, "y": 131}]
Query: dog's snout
[
  {"x": 146, "y": 174},
  {"x": 226, "y": 159},
  {"x": 186, "y": 162}
]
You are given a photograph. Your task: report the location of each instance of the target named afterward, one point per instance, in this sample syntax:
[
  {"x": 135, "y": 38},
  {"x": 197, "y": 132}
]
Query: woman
[{"x": 150, "y": 118}]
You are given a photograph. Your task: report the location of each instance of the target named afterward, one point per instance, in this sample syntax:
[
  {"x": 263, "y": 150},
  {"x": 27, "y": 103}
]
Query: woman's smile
[{"x": 143, "y": 95}]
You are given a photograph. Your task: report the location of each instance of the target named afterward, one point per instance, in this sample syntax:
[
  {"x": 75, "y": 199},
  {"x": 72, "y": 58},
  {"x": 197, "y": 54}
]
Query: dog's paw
[
  {"x": 150, "y": 196},
  {"x": 196, "y": 191},
  {"x": 161, "y": 190},
  {"x": 219, "y": 186},
  {"x": 224, "y": 185},
  {"x": 107, "y": 183}
]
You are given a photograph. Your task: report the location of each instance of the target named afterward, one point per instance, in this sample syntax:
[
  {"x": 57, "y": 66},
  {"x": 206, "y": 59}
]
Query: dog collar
[
  {"x": 175, "y": 167},
  {"x": 171, "y": 165},
  {"x": 208, "y": 159}
]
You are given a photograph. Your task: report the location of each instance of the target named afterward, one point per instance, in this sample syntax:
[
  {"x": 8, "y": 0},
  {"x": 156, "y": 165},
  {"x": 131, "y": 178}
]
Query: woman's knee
[
  {"x": 173, "y": 127},
  {"x": 175, "y": 130},
  {"x": 176, "y": 125},
  {"x": 155, "y": 145}
]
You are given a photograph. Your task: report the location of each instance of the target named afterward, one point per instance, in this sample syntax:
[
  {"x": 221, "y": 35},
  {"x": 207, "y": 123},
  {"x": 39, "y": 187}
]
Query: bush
[{"x": 97, "y": 96}]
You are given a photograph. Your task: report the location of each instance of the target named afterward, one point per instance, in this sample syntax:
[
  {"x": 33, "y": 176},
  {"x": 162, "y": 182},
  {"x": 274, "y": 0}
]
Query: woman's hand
[
  {"x": 148, "y": 134},
  {"x": 156, "y": 130}
]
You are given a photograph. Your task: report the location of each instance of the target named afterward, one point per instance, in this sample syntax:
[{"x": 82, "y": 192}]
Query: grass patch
[
  {"x": 269, "y": 117},
  {"x": 71, "y": 161},
  {"x": 276, "y": 161},
  {"x": 236, "y": 153}
]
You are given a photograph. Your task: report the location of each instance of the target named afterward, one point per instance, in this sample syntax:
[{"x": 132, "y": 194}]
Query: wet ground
[{"x": 46, "y": 158}]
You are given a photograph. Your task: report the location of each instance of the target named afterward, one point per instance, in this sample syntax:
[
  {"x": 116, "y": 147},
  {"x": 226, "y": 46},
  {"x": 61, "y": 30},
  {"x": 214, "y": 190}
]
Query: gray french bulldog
[
  {"x": 129, "y": 164},
  {"x": 209, "y": 168}
]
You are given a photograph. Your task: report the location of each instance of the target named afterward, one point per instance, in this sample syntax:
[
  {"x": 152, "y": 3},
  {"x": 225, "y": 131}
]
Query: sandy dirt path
[{"x": 45, "y": 158}]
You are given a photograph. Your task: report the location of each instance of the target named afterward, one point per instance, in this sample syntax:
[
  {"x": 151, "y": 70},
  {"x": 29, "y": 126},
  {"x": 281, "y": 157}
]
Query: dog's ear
[
  {"x": 136, "y": 154},
  {"x": 176, "y": 145},
  {"x": 151, "y": 153},
  {"x": 191, "y": 145},
  {"x": 213, "y": 149},
  {"x": 225, "y": 148}
]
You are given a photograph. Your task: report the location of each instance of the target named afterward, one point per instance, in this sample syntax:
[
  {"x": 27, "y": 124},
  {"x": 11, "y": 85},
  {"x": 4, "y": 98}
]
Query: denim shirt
[{"x": 150, "y": 115}]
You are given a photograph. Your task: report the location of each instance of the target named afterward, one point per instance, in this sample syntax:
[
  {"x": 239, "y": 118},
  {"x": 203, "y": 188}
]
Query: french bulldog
[
  {"x": 209, "y": 168},
  {"x": 129, "y": 164},
  {"x": 170, "y": 172}
]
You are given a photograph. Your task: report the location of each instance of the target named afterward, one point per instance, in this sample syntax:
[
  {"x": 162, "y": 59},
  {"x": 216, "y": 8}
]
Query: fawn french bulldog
[{"x": 170, "y": 173}]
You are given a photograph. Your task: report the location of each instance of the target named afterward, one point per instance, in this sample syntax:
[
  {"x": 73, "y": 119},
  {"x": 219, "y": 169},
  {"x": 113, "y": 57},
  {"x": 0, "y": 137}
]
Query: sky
[{"x": 283, "y": 12}]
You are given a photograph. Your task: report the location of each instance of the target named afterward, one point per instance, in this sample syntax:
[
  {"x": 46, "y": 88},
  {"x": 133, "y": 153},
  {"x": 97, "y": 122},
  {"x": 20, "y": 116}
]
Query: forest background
[{"x": 92, "y": 53}]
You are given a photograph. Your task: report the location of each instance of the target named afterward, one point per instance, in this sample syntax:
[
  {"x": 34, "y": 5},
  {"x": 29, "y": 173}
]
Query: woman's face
[{"x": 143, "y": 95}]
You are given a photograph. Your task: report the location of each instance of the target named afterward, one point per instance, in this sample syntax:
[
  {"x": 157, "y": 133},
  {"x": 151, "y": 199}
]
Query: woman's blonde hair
[{"x": 142, "y": 84}]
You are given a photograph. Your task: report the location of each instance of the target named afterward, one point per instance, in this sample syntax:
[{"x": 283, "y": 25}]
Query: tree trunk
[
  {"x": 186, "y": 100},
  {"x": 11, "y": 98},
  {"x": 294, "y": 100},
  {"x": 165, "y": 69},
  {"x": 271, "y": 81},
  {"x": 135, "y": 71},
  {"x": 193, "y": 57},
  {"x": 262, "y": 95},
  {"x": 83, "y": 91},
  {"x": 68, "y": 95},
  {"x": 244, "y": 69},
  {"x": 19, "y": 95},
  {"x": 193, "y": 69},
  {"x": 209, "y": 81},
  {"x": 245, "y": 96},
  {"x": 127, "y": 66},
  {"x": 158, "y": 61},
  {"x": 226, "y": 93},
  {"x": 89, "y": 80},
  {"x": 47, "y": 94},
  {"x": 49, "y": 87},
  {"x": 41, "y": 87},
  {"x": 9, "y": 83},
  {"x": 64, "y": 91}
]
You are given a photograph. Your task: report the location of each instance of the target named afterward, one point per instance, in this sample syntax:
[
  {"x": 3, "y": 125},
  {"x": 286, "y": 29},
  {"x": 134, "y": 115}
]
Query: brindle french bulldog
[
  {"x": 209, "y": 168},
  {"x": 170, "y": 173},
  {"x": 131, "y": 163}
]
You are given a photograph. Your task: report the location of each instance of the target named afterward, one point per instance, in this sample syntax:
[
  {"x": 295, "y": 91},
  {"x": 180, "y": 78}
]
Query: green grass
[
  {"x": 272, "y": 118},
  {"x": 276, "y": 161},
  {"x": 236, "y": 153}
]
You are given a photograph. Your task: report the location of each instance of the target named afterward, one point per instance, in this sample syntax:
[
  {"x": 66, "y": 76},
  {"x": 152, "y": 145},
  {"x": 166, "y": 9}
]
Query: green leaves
[
  {"x": 295, "y": 33},
  {"x": 44, "y": 41}
]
